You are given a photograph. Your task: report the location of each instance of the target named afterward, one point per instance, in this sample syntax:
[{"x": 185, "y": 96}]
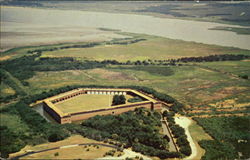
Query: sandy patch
[
  {"x": 14, "y": 34},
  {"x": 229, "y": 103},
  {"x": 246, "y": 60},
  {"x": 207, "y": 70},
  {"x": 184, "y": 122},
  {"x": 127, "y": 154},
  {"x": 4, "y": 58}
]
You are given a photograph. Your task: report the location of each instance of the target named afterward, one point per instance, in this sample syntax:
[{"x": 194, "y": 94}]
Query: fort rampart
[{"x": 60, "y": 117}]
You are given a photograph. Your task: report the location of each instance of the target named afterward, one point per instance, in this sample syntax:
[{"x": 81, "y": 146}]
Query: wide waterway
[{"x": 14, "y": 18}]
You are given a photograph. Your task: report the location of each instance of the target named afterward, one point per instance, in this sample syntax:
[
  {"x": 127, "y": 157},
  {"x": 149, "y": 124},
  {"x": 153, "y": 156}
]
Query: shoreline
[{"x": 186, "y": 30}]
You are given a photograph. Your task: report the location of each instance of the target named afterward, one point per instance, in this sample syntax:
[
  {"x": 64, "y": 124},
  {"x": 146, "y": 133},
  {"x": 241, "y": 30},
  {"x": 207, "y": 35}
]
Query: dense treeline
[
  {"x": 230, "y": 134},
  {"x": 6, "y": 99},
  {"x": 138, "y": 129},
  {"x": 173, "y": 62},
  {"x": 88, "y": 45},
  {"x": 125, "y": 42},
  {"x": 212, "y": 58},
  {"x": 10, "y": 141},
  {"x": 179, "y": 133}
]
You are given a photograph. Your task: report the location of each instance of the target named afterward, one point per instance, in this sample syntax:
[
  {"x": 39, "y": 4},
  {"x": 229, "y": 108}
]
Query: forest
[{"x": 231, "y": 135}]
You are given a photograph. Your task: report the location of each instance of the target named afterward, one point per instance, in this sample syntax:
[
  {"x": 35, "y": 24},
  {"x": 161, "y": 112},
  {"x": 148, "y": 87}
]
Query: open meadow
[{"x": 154, "y": 48}]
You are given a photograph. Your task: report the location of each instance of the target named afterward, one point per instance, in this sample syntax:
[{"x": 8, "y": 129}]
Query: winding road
[{"x": 184, "y": 122}]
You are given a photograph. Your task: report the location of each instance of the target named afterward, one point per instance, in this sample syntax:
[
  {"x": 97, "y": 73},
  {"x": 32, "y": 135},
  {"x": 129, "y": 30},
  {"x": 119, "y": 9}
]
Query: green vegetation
[
  {"x": 118, "y": 99},
  {"x": 135, "y": 99},
  {"x": 37, "y": 130},
  {"x": 138, "y": 129},
  {"x": 178, "y": 79},
  {"x": 6, "y": 90},
  {"x": 8, "y": 79},
  {"x": 154, "y": 70},
  {"x": 30, "y": 128},
  {"x": 34, "y": 73},
  {"x": 147, "y": 47},
  {"x": 234, "y": 29},
  {"x": 231, "y": 135},
  {"x": 179, "y": 133},
  {"x": 56, "y": 154},
  {"x": 234, "y": 67}
]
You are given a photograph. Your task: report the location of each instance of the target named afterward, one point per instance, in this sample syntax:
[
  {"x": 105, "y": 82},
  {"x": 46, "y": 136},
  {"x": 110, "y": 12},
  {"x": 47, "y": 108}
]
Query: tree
[
  {"x": 243, "y": 76},
  {"x": 167, "y": 138},
  {"x": 118, "y": 99},
  {"x": 165, "y": 114}
]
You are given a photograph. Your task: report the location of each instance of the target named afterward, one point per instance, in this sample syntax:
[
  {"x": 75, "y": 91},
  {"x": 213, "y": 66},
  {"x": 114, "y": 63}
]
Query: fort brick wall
[
  {"x": 52, "y": 112},
  {"x": 48, "y": 104}
]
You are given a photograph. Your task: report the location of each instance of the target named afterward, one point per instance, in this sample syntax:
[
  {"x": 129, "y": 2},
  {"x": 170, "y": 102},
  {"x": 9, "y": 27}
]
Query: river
[{"x": 14, "y": 18}]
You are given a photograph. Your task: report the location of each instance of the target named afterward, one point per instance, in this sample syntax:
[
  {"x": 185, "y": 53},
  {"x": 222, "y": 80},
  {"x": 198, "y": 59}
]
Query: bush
[
  {"x": 118, "y": 99},
  {"x": 243, "y": 76},
  {"x": 135, "y": 99}
]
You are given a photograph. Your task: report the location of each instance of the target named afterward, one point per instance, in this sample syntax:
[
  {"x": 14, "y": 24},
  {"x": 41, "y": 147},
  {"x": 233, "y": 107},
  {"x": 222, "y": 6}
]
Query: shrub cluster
[
  {"x": 179, "y": 134},
  {"x": 118, "y": 99}
]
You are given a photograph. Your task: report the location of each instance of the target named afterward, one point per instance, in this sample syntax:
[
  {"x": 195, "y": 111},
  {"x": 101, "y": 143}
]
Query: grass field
[
  {"x": 190, "y": 84},
  {"x": 14, "y": 122},
  {"x": 152, "y": 48},
  {"x": 79, "y": 152},
  {"x": 86, "y": 102},
  {"x": 235, "y": 67},
  {"x": 6, "y": 90}
]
